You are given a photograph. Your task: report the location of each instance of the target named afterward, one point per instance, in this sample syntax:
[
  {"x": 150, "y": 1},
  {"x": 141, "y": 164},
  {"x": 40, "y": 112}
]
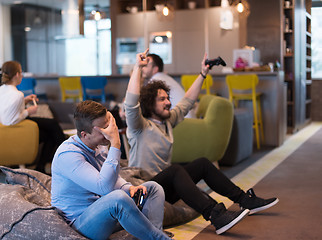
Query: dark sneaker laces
[{"x": 256, "y": 204}]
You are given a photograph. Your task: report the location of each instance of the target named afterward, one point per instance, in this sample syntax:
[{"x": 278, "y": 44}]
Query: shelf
[{"x": 297, "y": 61}]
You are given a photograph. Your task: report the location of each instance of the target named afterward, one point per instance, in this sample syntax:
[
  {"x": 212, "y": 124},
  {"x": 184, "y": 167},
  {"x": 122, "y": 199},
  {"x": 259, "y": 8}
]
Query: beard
[{"x": 162, "y": 116}]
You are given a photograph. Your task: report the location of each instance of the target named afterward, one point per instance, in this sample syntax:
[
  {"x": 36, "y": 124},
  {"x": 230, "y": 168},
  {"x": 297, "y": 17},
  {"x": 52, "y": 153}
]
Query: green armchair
[
  {"x": 19, "y": 143},
  {"x": 208, "y": 135}
]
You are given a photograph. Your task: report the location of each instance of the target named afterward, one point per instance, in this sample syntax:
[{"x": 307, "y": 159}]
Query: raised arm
[
  {"x": 134, "y": 85},
  {"x": 194, "y": 90}
]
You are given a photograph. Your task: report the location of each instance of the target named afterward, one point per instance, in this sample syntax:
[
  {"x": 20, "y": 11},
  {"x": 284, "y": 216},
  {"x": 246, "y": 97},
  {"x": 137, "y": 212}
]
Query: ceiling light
[
  {"x": 240, "y": 7},
  {"x": 97, "y": 15},
  {"x": 27, "y": 29},
  {"x": 165, "y": 11}
]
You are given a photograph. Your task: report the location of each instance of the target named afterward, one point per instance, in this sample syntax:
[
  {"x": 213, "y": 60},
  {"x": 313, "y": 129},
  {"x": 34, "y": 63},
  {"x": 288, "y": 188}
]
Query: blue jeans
[{"x": 99, "y": 219}]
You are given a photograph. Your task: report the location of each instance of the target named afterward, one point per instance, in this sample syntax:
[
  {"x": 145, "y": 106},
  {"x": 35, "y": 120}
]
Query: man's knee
[
  {"x": 177, "y": 167},
  {"x": 118, "y": 196},
  {"x": 203, "y": 161},
  {"x": 153, "y": 186}
]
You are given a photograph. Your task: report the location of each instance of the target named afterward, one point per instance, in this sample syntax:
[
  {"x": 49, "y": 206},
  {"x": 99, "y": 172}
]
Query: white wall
[{"x": 5, "y": 34}]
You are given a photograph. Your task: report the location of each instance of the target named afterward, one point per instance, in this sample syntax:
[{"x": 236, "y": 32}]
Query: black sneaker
[
  {"x": 169, "y": 234},
  {"x": 222, "y": 219},
  {"x": 256, "y": 204}
]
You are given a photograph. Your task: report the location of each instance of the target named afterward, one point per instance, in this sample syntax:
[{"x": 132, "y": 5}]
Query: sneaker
[
  {"x": 169, "y": 234},
  {"x": 256, "y": 204},
  {"x": 222, "y": 219}
]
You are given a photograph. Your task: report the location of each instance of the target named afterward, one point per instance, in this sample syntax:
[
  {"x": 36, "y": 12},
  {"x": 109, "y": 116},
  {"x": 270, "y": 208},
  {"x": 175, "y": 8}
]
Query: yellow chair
[
  {"x": 238, "y": 87},
  {"x": 187, "y": 80},
  {"x": 71, "y": 87},
  {"x": 19, "y": 143}
]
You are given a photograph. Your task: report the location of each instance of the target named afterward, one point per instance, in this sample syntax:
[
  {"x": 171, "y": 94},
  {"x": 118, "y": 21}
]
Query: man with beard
[
  {"x": 150, "y": 122},
  {"x": 153, "y": 70}
]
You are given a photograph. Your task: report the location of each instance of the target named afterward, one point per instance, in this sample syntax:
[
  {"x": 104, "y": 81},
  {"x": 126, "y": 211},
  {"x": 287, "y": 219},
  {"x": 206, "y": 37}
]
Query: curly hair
[
  {"x": 85, "y": 113},
  {"x": 148, "y": 95}
]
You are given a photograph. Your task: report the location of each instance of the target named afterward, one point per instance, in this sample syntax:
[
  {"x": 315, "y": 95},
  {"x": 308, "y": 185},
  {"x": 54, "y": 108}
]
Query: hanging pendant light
[
  {"x": 97, "y": 15},
  {"x": 165, "y": 11},
  {"x": 240, "y": 7}
]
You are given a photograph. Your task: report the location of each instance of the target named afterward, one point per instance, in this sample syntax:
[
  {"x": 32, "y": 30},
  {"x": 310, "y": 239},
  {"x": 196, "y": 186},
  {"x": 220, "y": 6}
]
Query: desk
[{"x": 271, "y": 84}]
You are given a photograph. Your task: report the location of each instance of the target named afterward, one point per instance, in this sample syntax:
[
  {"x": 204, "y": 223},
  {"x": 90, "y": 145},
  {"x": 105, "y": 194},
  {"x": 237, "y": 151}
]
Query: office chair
[
  {"x": 237, "y": 85},
  {"x": 70, "y": 88},
  {"x": 94, "y": 88},
  {"x": 27, "y": 86}
]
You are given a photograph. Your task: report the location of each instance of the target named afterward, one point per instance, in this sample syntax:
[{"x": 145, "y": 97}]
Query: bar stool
[
  {"x": 187, "y": 81},
  {"x": 237, "y": 85}
]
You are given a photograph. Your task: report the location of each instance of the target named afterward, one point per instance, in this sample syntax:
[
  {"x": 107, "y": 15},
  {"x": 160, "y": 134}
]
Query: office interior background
[{"x": 46, "y": 36}]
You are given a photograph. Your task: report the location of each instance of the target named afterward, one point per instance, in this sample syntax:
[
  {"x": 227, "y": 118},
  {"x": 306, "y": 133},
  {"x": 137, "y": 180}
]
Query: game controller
[
  {"x": 216, "y": 61},
  {"x": 138, "y": 198}
]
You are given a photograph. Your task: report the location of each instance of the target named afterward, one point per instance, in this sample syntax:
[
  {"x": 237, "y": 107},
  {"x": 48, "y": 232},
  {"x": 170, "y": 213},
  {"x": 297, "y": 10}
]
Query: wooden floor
[{"x": 292, "y": 173}]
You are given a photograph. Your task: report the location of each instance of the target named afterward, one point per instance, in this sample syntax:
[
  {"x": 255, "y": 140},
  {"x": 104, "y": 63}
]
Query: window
[
  {"x": 316, "y": 42},
  {"x": 90, "y": 55}
]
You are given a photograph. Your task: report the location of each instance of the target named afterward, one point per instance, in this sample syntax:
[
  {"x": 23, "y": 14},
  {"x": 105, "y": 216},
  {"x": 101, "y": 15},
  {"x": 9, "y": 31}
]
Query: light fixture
[
  {"x": 165, "y": 11},
  {"x": 240, "y": 7},
  {"x": 97, "y": 14},
  {"x": 27, "y": 29}
]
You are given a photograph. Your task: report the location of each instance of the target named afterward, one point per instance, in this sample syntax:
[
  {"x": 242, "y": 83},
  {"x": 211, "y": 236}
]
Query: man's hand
[
  {"x": 141, "y": 59},
  {"x": 133, "y": 190},
  {"x": 111, "y": 133},
  {"x": 204, "y": 67}
]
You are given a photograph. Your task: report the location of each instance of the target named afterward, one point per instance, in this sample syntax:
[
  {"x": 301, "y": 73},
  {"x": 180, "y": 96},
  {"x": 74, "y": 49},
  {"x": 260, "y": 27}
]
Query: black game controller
[
  {"x": 217, "y": 61},
  {"x": 138, "y": 198}
]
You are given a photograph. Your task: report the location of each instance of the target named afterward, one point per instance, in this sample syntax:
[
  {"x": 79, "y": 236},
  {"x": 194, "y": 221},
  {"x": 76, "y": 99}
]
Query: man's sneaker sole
[
  {"x": 255, "y": 210},
  {"x": 243, "y": 214}
]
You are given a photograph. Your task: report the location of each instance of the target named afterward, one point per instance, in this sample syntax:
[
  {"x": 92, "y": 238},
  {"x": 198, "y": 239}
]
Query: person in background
[
  {"x": 13, "y": 110},
  {"x": 153, "y": 70},
  {"x": 150, "y": 124},
  {"x": 87, "y": 188}
]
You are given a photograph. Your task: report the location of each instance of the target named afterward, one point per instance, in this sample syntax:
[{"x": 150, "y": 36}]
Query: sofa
[
  {"x": 26, "y": 213},
  {"x": 19, "y": 143}
]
